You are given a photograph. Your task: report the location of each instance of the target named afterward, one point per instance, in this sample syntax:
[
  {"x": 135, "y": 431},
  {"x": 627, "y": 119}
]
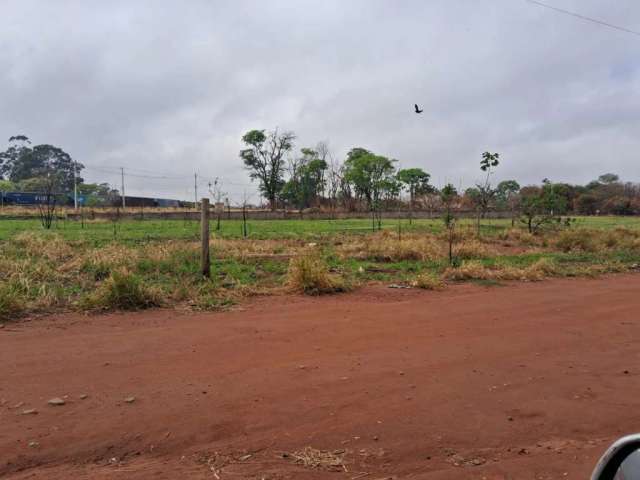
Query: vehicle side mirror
[{"x": 621, "y": 461}]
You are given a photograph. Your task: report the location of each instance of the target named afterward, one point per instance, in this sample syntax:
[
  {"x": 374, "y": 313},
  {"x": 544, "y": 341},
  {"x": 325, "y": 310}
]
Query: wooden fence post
[{"x": 205, "y": 261}]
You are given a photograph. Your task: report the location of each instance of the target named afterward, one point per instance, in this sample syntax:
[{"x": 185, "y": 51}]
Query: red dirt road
[{"x": 517, "y": 382}]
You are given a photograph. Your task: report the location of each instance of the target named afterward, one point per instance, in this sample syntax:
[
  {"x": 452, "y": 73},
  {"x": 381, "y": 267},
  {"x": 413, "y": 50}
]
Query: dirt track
[{"x": 524, "y": 381}]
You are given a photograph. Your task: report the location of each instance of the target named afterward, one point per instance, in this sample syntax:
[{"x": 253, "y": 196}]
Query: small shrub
[
  {"x": 428, "y": 281},
  {"x": 309, "y": 274},
  {"x": 122, "y": 291}
]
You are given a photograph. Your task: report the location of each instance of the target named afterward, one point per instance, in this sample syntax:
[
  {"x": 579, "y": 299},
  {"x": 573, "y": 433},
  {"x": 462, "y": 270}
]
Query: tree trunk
[{"x": 411, "y": 208}]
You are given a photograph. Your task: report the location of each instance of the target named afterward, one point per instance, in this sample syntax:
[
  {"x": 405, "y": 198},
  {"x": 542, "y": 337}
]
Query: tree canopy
[
  {"x": 21, "y": 162},
  {"x": 371, "y": 175},
  {"x": 264, "y": 158}
]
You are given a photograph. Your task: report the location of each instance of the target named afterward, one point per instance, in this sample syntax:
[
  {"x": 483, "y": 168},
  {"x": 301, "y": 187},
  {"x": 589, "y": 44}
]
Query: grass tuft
[
  {"x": 428, "y": 281},
  {"x": 12, "y": 303},
  {"x": 386, "y": 247},
  {"x": 122, "y": 291},
  {"x": 472, "y": 248},
  {"x": 309, "y": 274}
]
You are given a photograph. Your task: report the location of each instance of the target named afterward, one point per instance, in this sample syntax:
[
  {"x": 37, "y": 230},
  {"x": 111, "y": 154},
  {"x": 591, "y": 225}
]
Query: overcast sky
[{"x": 170, "y": 86}]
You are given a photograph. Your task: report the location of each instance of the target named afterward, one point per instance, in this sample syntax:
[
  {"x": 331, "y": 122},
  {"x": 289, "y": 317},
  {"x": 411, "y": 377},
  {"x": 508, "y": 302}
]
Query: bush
[
  {"x": 309, "y": 274},
  {"x": 122, "y": 291}
]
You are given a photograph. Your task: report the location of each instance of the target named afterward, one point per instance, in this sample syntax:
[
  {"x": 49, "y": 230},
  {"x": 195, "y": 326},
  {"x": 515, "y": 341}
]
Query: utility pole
[
  {"x": 75, "y": 186},
  {"x": 122, "y": 187}
]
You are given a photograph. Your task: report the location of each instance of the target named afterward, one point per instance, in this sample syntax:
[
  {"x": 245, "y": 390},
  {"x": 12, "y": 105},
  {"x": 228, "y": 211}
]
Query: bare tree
[
  {"x": 215, "y": 189},
  {"x": 47, "y": 200}
]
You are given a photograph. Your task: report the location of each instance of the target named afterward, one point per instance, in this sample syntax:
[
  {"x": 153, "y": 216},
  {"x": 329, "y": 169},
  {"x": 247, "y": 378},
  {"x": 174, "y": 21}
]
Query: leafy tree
[
  {"x": 7, "y": 186},
  {"x": 416, "y": 181},
  {"x": 97, "y": 189},
  {"x": 540, "y": 205},
  {"x": 485, "y": 193},
  {"x": 307, "y": 182},
  {"x": 18, "y": 146},
  {"x": 608, "y": 178},
  {"x": 371, "y": 176},
  {"x": 96, "y": 194},
  {"x": 448, "y": 195},
  {"x": 587, "y": 204},
  {"x": 507, "y": 196},
  {"x": 264, "y": 158},
  {"x": 21, "y": 162}
]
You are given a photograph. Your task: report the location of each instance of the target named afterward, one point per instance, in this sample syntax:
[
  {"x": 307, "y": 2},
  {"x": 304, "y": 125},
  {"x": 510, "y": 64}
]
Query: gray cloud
[{"x": 170, "y": 87}]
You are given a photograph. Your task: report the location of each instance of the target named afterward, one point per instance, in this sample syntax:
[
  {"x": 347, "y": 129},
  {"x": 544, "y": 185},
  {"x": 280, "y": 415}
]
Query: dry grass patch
[
  {"x": 332, "y": 461},
  {"x": 122, "y": 291},
  {"x": 428, "y": 281},
  {"x": 518, "y": 236},
  {"x": 578, "y": 240},
  {"x": 12, "y": 303},
  {"x": 310, "y": 274},
  {"x": 594, "y": 241},
  {"x": 475, "y": 270},
  {"x": 50, "y": 247},
  {"x": 386, "y": 247},
  {"x": 471, "y": 249}
]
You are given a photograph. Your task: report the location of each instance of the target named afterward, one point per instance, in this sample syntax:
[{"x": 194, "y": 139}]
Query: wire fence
[{"x": 140, "y": 228}]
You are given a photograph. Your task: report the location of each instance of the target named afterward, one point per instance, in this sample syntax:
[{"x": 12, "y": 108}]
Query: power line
[
  {"x": 158, "y": 176},
  {"x": 583, "y": 17}
]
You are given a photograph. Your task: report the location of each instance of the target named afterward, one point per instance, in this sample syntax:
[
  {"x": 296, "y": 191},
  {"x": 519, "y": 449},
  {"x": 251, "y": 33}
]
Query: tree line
[{"x": 313, "y": 178}]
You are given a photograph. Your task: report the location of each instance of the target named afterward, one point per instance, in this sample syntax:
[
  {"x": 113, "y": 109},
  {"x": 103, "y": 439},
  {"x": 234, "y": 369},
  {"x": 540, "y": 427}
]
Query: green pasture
[{"x": 148, "y": 230}]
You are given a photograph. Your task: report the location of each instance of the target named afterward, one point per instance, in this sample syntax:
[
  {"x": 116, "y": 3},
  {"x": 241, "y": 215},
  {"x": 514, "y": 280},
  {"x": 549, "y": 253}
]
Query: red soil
[{"x": 523, "y": 381}]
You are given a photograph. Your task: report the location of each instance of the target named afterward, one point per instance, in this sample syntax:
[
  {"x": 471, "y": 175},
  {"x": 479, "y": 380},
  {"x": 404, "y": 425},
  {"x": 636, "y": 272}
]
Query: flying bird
[{"x": 417, "y": 108}]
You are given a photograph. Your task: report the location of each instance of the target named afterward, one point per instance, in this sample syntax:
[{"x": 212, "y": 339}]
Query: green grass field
[
  {"x": 145, "y": 263},
  {"x": 147, "y": 230}
]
